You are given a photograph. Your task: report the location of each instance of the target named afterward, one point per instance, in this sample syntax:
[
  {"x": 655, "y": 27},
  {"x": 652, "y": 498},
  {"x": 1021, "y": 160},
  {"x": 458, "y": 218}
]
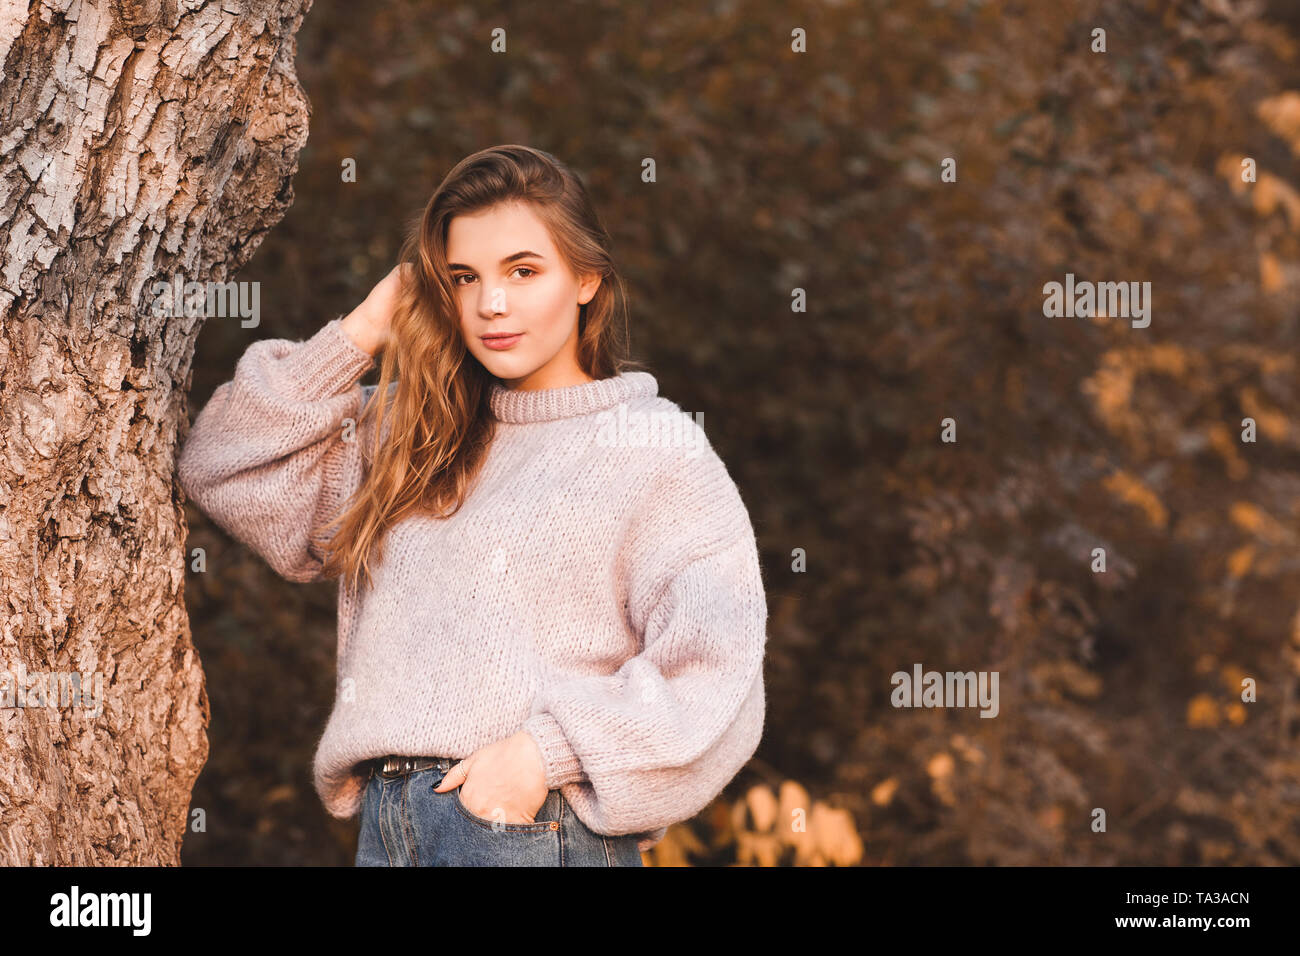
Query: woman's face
[{"x": 509, "y": 277}]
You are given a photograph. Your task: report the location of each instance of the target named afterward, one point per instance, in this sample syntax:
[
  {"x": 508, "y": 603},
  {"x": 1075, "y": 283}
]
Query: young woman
[{"x": 552, "y": 618}]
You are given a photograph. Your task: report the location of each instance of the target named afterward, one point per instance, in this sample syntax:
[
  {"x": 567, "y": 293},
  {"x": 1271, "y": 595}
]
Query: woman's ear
[{"x": 587, "y": 290}]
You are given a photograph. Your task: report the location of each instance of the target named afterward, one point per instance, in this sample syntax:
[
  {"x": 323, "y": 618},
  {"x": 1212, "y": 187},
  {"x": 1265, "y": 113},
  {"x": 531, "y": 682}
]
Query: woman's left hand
[{"x": 507, "y": 776}]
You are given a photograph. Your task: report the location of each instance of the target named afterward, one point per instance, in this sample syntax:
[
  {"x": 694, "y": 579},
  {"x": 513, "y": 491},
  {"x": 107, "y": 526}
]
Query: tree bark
[{"x": 140, "y": 140}]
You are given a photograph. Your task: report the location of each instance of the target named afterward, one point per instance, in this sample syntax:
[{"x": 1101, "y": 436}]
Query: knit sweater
[{"x": 600, "y": 587}]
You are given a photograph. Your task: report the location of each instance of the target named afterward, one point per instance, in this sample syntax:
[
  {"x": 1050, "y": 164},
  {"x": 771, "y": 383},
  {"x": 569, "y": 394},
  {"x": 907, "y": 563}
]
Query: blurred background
[{"x": 821, "y": 170}]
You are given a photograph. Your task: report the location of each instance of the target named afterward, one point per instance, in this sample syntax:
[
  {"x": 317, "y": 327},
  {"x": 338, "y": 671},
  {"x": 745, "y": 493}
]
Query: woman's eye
[{"x": 465, "y": 275}]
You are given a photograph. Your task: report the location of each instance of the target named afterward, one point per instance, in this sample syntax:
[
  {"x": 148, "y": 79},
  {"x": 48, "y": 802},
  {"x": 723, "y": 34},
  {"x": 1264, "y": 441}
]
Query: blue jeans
[{"x": 405, "y": 823}]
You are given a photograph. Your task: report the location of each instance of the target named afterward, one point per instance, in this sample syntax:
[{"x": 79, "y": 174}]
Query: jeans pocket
[{"x": 542, "y": 825}]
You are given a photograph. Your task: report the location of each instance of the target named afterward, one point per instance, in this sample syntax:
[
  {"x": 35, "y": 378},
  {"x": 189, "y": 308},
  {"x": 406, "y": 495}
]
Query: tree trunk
[{"x": 141, "y": 141}]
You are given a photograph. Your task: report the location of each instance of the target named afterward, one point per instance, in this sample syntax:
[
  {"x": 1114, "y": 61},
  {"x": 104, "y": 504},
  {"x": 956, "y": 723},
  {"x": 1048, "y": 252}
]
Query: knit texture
[{"x": 600, "y": 587}]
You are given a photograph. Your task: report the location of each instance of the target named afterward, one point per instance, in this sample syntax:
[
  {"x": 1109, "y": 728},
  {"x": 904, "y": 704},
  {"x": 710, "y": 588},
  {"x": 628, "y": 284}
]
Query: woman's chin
[{"x": 506, "y": 369}]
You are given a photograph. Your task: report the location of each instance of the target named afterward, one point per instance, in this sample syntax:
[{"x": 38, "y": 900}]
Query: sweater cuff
[
  {"x": 561, "y": 763},
  {"x": 328, "y": 363}
]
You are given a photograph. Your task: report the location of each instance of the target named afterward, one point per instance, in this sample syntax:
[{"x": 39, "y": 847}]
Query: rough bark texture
[{"x": 139, "y": 140}]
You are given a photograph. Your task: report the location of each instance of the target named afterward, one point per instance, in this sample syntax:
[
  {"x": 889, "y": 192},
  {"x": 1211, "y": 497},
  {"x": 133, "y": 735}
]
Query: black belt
[{"x": 395, "y": 765}]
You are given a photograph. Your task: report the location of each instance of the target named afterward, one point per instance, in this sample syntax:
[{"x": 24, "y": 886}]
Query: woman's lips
[{"x": 499, "y": 342}]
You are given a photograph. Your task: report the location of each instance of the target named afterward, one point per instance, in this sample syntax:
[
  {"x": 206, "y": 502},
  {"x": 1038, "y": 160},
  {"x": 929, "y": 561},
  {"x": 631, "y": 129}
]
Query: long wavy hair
[{"x": 433, "y": 428}]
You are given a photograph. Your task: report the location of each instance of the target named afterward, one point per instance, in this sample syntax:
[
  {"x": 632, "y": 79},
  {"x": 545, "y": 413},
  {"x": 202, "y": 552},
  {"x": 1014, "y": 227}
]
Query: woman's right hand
[{"x": 368, "y": 324}]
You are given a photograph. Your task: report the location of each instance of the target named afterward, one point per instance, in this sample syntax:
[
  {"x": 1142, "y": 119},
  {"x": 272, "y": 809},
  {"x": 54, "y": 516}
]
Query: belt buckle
[{"x": 394, "y": 765}]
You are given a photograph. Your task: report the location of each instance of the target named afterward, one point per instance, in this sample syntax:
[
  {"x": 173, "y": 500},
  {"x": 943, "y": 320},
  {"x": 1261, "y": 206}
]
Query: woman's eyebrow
[{"x": 511, "y": 258}]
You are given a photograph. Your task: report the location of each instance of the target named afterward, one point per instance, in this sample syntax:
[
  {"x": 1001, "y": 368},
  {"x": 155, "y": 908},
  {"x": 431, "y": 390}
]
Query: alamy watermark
[
  {"x": 1081, "y": 300},
  {"x": 52, "y": 689},
  {"x": 946, "y": 689},
  {"x": 662, "y": 429},
  {"x": 75, "y": 908},
  {"x": 208, "y": 299}
]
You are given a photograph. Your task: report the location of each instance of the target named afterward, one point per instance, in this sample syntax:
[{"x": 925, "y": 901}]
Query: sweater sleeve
[
  {"x": 269, "y": 458},
  {"x": 660, "y": 738}
]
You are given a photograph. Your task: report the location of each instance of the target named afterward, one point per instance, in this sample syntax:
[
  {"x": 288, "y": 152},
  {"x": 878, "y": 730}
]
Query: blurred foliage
[{"x": 1119, "y": 690}]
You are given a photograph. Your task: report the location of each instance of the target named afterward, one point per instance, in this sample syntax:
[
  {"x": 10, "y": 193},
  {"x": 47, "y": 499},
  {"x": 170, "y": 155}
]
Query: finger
[
  {"x": 449, "y": 780},
  {"x": 455, "y": 777}
]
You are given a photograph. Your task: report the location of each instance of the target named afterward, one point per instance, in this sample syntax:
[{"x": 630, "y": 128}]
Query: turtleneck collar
[{"x": 548, "y": 404}]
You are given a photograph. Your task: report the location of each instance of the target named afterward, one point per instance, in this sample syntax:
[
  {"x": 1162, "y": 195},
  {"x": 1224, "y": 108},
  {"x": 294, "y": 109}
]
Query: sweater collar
[{"x": 548, "y": 404}]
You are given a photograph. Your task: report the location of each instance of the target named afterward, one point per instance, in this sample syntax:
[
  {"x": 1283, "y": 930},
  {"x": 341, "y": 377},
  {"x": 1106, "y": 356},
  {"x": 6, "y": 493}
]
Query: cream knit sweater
[{"x": 600, "y": 588}]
